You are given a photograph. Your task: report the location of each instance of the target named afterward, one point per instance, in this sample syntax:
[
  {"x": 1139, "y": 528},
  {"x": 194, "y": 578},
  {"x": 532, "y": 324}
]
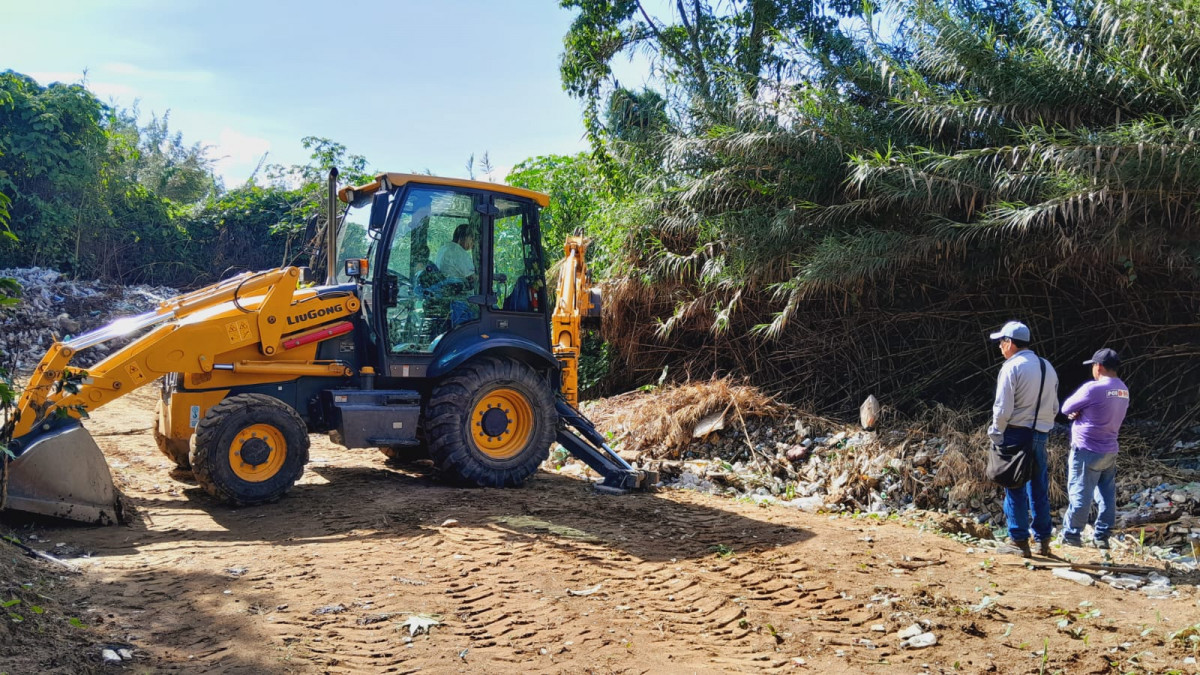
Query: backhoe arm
[{"x": 576, "y": 301}]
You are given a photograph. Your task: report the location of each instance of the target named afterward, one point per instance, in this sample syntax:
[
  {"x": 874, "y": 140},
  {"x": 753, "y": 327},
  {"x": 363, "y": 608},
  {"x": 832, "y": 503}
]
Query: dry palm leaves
[{"x": 662, "y": 421}]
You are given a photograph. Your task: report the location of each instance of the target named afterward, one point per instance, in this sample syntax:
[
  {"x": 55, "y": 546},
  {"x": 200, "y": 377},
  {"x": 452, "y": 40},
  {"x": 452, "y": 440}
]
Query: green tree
[
  {"x": 862, "y": 228},
  {"x": 52, "y": 146},
  {"x": 159, "y": 160}
]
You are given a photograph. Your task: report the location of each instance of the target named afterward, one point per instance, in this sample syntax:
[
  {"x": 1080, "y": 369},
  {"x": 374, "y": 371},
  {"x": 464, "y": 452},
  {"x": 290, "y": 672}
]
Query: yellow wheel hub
[
  {"x": 257, "y": 453},
  {"x": 502, "y": 423}
]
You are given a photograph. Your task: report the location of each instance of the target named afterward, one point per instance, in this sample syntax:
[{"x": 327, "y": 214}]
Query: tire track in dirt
[{"x": 550, "y": 578}]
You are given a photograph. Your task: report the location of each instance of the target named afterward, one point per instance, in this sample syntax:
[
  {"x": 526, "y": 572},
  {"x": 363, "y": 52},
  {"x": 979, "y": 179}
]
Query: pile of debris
[
  {"x": 53, "y": 306},
  {"x": 1165, "y": 520},
  {"x": 725, "y": 444}
]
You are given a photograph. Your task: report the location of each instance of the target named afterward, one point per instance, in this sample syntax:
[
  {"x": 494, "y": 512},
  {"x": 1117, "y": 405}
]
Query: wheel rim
[
  {"x": 502, "y": 423},
  {"x": 257, "y": 453}
]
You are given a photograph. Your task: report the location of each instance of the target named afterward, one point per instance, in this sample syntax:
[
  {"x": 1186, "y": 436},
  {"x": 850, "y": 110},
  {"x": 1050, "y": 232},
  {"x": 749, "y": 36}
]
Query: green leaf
[{"x": 11, "y": 603}]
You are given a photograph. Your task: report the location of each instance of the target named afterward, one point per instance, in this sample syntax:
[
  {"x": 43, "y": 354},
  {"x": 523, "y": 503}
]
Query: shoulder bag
[{"x": 1012, "y": 465}]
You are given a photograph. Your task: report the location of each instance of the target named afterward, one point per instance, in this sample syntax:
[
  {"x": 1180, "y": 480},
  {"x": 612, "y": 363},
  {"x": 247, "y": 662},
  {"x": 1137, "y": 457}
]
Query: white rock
[
  {"x": 1072, "y": 575},
  {"x": 1157, "y": 579},
  {"x": 868, "y": 412},
  {"x": 920, "y": 641},
  {"x": 709, "y": 424},
  {"x": 809, "y": 504},
  {"x": 573, "y": 470},
  {"x": 125, "y": 654},
  {"x": 879, "y": 628},
  {"x": 1128, "y": 582},
  {"x": 110, "y": 656}
]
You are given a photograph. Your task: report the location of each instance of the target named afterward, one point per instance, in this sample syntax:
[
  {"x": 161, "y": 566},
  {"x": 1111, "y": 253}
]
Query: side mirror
[
  {"x": 356, "y": 268},
  {"x": 379, "y": 207}
]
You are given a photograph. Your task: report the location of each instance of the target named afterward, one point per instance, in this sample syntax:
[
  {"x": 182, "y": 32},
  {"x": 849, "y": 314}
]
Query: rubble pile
[
  {"x": 1165, "y": 520},
  {"x": 814, "y": 464},
  {"x": 54, "y": 306}
]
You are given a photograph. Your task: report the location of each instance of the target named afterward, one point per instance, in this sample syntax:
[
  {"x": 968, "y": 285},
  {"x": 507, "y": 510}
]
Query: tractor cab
[{"x": 448, "y": 268}]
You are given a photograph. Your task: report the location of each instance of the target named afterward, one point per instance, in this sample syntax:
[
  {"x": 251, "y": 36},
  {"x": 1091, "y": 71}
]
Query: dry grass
[{"x": 661, "y": 421}]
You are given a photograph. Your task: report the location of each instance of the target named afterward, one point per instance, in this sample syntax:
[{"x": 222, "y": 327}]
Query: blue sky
[{"x": 411, "y": 85}]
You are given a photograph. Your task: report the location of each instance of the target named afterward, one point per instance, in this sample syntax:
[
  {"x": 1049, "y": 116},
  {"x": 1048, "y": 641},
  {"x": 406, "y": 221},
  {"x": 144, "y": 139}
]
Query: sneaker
[
  {"x": 1044, "y": 548},
  {"x": 1012, "y": 547},
  {"x": 1071, "y": 541},
  {"x": 1101, "y": 544}
]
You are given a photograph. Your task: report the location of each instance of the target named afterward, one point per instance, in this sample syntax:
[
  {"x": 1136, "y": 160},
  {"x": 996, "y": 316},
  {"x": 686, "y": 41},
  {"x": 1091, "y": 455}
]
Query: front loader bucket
[{"x": 63, "y": 474}]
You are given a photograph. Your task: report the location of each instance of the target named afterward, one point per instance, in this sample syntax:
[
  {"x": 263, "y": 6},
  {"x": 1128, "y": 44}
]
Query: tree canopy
[{"x": 845, "y": 204}]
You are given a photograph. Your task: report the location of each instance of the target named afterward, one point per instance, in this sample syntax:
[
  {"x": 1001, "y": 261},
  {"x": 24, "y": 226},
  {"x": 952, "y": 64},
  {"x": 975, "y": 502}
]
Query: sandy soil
[{"x": 556, "y": 578}]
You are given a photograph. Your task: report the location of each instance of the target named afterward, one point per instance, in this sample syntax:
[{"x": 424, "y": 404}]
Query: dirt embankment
[{"x": 552, "y": 578}]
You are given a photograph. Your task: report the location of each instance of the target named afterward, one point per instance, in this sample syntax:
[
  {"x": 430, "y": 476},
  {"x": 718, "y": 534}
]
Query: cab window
[
  {"x": 517, "y": 275},
  {"x": 433, "y": 268}
]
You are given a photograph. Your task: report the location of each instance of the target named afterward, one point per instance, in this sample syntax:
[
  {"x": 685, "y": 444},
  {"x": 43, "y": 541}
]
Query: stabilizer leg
[{"x": 589, "y": 446}]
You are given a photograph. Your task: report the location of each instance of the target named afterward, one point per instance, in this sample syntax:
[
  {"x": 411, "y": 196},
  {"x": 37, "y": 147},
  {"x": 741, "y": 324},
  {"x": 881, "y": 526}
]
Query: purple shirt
[{"x": 1101, "y": 405}]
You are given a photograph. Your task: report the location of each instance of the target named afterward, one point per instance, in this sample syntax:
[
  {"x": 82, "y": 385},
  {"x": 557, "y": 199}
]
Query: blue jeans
[
  {"x": 1091, "y": 473},
  {"x": 1036, "y": 492}
]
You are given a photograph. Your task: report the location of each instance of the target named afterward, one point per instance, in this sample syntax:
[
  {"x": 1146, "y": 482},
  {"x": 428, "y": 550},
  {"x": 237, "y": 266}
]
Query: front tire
[
  {"x": 491, "y": 423},
  {"x": 249, "y": 449}
]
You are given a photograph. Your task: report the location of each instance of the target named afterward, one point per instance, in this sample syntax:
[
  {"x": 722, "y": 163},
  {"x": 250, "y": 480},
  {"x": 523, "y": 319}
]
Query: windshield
[{"x": 355, "y": 239}]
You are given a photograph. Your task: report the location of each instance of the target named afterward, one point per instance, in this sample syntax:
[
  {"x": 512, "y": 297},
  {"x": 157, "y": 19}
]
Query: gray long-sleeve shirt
[{"x": 1016, "y": 396}]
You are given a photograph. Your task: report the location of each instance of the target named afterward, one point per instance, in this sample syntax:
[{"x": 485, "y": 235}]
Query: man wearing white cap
[{"x": 1027, "y": 386}]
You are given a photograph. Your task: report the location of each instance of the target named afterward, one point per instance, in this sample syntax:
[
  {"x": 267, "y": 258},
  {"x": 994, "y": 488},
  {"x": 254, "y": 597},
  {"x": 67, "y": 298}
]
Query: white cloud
[
  {"x": 102, "y": 90},
  {"x": 236, "y": 155},
  {"x": 496, "y": 175},
  {"x": 138, "y": 72},
  {"x": 45, "y": 77},
  {"x": 112, "y": 90}
]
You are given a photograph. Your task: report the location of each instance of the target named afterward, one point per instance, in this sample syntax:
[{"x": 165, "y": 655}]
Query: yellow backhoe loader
[{"x": 433, "y": 334}]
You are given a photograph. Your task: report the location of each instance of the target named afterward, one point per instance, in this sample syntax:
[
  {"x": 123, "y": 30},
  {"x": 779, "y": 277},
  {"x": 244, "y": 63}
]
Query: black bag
[{"x": 1012, "y": 465}]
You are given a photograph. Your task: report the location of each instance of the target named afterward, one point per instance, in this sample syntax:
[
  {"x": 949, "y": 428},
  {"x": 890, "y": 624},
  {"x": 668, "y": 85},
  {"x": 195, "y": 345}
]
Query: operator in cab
[{"x": 455, "y": 258}]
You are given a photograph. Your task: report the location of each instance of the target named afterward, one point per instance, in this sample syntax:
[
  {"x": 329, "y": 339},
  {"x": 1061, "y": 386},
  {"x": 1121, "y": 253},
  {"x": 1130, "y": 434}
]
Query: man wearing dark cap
[
  {"x": 1097, "y": 410},
  {"x": 1026, "y": 403}
]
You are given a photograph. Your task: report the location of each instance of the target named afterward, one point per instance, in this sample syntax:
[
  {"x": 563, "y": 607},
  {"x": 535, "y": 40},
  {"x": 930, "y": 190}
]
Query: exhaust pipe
[{"x": 331, "y": 262}]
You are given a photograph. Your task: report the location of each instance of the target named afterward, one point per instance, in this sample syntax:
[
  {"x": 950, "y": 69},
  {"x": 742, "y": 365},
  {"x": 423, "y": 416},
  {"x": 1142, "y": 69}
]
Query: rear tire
[
  {"x": 176, "y": 450},
  {"x": 249, "y": 449},
  {"x": 491, "y": 423}
]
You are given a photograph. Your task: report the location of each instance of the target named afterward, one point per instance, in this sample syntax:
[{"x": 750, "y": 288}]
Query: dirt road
[{"x": 556, "y": 578}]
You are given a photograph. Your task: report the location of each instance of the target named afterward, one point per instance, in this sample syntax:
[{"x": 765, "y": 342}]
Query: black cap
[{"x": 1105, "y": 357}]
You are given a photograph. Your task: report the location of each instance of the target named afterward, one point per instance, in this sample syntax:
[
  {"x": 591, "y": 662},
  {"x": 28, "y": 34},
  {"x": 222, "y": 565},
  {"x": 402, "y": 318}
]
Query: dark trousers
[{"x": 1034, "y": 495}]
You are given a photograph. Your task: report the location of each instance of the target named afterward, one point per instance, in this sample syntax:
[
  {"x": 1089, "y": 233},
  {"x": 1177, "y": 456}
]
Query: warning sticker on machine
[
  {"x": 194, "y": 416},
  {"x": 237, "y": 331}
]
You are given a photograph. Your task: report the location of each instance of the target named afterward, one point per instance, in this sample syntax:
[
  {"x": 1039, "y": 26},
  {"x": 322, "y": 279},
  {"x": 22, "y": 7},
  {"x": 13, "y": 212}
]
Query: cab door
[
  {"x": 517, "y": 278},
  {"x": 432, "y": 275}
]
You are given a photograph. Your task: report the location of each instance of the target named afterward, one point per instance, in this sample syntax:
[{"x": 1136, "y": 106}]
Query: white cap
[{"x": 1013, "y": 329}]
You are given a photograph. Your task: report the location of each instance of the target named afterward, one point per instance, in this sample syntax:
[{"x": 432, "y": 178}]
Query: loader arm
[
  {"x": 253, "y": 327},
  {"x": 195, "y": 333}
]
